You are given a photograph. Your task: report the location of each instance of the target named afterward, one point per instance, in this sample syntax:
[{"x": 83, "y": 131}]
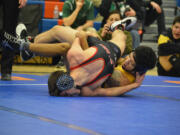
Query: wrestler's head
[
  {"x": 140, "y": 60},
  {"x": 61, "y": 83}
]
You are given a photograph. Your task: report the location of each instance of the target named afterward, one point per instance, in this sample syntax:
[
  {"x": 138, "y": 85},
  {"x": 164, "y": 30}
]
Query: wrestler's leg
[
  {"x": 54, "y": 49},
  {"x": 11, "y": 42},
  {"x": 57, "y": 33},
  {"x": 119, "y": 38}
]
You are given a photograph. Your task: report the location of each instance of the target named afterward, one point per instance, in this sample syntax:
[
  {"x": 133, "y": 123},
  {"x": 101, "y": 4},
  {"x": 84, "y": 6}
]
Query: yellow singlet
[{"x": 129, "y": 76}]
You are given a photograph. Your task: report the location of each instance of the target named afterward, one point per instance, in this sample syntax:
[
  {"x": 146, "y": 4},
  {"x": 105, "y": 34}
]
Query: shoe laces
[{"x": 12, "y": 39}]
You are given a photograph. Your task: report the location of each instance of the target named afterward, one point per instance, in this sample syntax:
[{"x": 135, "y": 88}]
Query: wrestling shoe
[
  {"x": 124, "y": 24},
  {"x": 26, "y": 55},
  {"x": 10, "y": 42},
  {"x": 21, "y": 32}
]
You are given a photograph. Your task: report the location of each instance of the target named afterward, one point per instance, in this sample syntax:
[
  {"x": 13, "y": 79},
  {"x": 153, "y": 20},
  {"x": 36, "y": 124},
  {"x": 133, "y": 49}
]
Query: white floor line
[
  {"x": 160, "y": 86},
  {"x": 21, "y": 84}
]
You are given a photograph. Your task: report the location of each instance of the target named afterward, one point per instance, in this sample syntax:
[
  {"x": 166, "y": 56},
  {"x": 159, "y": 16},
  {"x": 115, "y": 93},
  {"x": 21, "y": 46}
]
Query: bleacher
[
  {"x": 149, "y": 38},
  {"x": 47, "y": 21}
]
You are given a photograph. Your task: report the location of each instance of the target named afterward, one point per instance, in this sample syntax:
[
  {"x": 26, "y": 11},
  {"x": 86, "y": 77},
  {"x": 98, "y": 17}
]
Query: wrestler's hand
[
  {"x": 70, "y": 93},
  {"x": 93, "y": 34},
  {"x": 139, "y": 79},
  {"x": 81, "y": 34}
]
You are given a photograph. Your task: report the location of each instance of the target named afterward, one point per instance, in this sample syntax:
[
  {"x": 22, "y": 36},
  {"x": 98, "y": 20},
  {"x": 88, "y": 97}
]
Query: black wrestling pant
[{"x": 10, "y": 18}]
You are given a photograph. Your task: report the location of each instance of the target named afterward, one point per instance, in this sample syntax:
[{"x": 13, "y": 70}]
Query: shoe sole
[
  {"x": 22, "y": 59},
  {"x": 20, "y": 27},
  {"x": 132, "y": 21}
]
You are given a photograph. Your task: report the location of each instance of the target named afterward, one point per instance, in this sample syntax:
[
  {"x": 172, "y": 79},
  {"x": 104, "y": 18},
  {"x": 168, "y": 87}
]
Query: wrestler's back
[{"x": 85, "y": 73}]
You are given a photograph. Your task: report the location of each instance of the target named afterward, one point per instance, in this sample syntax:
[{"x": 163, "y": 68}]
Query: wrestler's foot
[
  {"x": 21, "y": 32},
  {"x": 26, "y": 55},
  {"x": 10, "y": 42},
  {"x": 124, "y": 24}
]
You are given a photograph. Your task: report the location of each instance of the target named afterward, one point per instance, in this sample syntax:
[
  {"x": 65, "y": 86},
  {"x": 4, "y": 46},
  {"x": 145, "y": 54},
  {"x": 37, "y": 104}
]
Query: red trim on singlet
[
  {"x": 81, "y": 65},
  {"x": 88, "y": 83},
  {"x": 72, "y": 68},
  {"x": 99, "y": 72}
]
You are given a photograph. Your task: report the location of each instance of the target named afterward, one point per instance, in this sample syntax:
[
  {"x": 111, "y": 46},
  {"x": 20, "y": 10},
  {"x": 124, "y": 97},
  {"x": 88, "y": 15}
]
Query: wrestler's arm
[
  {"x": 115, "y": 91},
  {"x": 82, "y": 35},
  {"x": 83, "y": 39}
]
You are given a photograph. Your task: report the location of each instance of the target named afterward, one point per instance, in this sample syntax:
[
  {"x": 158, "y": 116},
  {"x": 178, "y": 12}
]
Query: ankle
[{"x": 24, "y": 46}]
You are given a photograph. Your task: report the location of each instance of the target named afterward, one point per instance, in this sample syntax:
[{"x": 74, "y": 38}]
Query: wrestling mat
[{"x": 27, "y": 109}]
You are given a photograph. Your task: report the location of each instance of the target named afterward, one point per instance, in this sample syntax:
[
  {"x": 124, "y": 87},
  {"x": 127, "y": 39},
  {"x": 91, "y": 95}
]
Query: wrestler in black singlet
[{"x": 105, "y": 50}]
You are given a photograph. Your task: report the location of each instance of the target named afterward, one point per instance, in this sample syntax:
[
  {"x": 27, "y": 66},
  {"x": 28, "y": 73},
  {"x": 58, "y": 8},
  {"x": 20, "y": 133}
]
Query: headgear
[{"x": 64, "y": 82}]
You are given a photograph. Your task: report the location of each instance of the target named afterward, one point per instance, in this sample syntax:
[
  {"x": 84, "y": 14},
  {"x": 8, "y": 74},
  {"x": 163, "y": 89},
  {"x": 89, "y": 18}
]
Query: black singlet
[{"x": 106, "y": 51}]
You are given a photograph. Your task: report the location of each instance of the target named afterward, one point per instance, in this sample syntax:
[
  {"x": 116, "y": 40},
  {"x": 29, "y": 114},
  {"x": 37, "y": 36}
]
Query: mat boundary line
[{"x": 42, "y": 118}]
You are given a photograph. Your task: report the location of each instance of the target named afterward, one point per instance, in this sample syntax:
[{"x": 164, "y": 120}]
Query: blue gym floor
[{"x": 27, "y": 109}]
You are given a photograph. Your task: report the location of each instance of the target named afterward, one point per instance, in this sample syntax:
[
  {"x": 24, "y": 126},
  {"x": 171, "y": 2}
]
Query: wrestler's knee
[
  {"x": 56, "y": 28},
  {"x": 36, "y": 39},
  {"x": 48, "y": 36}
]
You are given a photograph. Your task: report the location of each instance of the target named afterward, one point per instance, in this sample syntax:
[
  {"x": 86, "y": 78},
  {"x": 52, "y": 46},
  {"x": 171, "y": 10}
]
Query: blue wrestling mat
[{"x": 27, "y": 109}]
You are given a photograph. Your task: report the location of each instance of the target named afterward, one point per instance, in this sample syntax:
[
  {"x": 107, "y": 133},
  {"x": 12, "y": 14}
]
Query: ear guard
[{"x": 64, "y": 82}]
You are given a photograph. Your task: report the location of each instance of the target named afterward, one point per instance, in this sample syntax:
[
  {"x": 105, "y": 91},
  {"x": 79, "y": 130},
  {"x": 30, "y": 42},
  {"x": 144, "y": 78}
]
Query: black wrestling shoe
[
  {"x": 26, "y": 55},
  {"x": 21, "y": 32},
  {"x": 124, "y": 24},
  {"x": 10, "y": 42}
]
